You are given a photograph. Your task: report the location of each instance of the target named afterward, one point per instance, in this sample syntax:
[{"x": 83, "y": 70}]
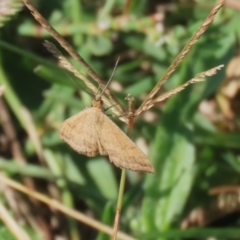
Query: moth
[{"x": 91, "y": 132}]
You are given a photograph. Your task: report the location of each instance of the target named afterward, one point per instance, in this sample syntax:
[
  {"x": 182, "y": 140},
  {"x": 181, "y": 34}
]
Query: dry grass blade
[
  {"x": 198, "y": 78},
  {"x": 113, "y": 102},
  {"x": 64, "y": 63},
  {"x": 62, "y": 41},
  {"x": 181, "y": 55},
  {"x": 224, "y": 189},
  {"x": 223, "y": 205},
  {"x": 62, "y": 208},
  {"x": 2, "y": 90},
  {"x": 12, "y": 224}
]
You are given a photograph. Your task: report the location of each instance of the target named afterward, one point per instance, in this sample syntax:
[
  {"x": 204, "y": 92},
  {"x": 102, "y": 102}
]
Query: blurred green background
[{"x": 193, "y": 139}]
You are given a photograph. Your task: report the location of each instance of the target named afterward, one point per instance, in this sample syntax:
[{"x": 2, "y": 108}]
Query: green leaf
[{"x": 101, "y": 172}]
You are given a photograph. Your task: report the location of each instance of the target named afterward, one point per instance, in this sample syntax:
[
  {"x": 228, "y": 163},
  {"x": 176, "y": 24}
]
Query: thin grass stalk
[
  {"x": 119, "y": 203},
  {"x": 121, "y": 190}
]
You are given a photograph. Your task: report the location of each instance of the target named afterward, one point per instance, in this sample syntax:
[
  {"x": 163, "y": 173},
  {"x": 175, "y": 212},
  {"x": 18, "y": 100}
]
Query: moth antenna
[
  {"x": 76, "y": 84},
  {"x": 108, "y": 82}
]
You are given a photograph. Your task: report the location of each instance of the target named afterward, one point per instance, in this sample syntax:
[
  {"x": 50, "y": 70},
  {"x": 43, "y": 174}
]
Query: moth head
[{"x": 97, "y": 102}]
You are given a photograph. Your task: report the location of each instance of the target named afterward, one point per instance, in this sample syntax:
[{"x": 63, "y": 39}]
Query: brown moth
[{"x": 91, "y": 132}]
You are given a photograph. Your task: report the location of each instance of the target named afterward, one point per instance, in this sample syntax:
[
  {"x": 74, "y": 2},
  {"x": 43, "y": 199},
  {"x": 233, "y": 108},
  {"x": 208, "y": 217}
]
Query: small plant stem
[
  {"x": 120, "y": 194},
  {"x": 119, "y": 203}
]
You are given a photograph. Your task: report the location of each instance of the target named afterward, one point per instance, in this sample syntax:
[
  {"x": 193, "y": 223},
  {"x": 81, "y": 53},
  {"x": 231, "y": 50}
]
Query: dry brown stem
[{"x": 68, "y": 211}]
